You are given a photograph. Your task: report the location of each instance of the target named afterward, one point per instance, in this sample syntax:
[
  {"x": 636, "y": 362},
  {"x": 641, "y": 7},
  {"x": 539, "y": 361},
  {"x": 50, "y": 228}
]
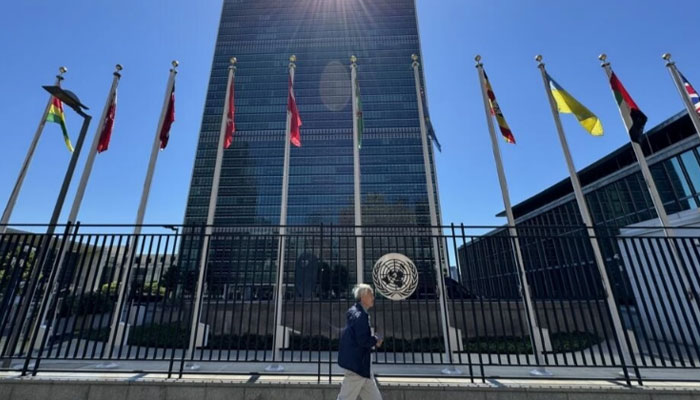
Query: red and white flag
[
  {"x": 108, "y": 124},
  {"x": 293, "y": 113}
]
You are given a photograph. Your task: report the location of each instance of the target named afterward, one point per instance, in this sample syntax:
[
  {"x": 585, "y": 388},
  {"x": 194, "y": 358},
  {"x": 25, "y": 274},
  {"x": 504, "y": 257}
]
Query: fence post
[
  {"x": 53, "y": 275},
  {"x": 49, "y": 300}
]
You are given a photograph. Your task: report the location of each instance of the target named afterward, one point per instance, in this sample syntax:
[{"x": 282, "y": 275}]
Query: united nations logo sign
[{"x": 395, "y": 276}]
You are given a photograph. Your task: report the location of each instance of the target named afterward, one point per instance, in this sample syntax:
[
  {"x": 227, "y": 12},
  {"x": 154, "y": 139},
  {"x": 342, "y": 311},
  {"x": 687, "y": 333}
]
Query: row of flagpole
[
  {"x": 5, "y": 219},
  {"x": 559, "y": 99},
  {"x": 54, "y": 113},
  {"x": 562, "y": 102}
]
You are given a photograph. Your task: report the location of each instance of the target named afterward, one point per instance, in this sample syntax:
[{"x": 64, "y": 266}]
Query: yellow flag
[{"x": 569, "y": 105}]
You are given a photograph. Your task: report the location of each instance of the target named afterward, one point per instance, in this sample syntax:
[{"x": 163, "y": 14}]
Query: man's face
[{"x": 367, "y": 300}]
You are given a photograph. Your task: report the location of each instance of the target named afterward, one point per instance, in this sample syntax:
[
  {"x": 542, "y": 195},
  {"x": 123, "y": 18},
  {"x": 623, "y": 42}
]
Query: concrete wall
[{"x": 16, "y": 389}]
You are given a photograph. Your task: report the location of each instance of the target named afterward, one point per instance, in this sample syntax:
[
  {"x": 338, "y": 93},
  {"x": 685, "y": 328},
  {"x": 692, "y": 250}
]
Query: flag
[
  {"x": 230, "y": 117},
  {"x": 692, "y": 94},
  {"x": 168, "y": 121},
  {"x": 428, "y": 123},
  {"x": 295, "y": 119},
  {"x": 496, "y": 111},
  {"x": 567, "y": 104},
  {"x": 634, "y": 118},
  {"x": 358, "y": 116},
  {"x": 431, "y": 134},
  {"x": 57, "y": 115},
  {"x": 106, "y": 134}
]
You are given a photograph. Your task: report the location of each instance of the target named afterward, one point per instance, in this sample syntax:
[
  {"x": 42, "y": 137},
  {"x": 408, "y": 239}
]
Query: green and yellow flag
[
  {"x": 56, "y": 115},
  {"x": 569, "y": 105}
]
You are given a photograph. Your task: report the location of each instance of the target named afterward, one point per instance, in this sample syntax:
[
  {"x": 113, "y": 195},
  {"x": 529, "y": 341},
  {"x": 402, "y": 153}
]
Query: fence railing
[{"x": 125, "y": 303}]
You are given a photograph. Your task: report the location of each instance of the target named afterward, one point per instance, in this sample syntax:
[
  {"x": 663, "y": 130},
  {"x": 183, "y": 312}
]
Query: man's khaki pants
[{"x": 355, "y": 385}]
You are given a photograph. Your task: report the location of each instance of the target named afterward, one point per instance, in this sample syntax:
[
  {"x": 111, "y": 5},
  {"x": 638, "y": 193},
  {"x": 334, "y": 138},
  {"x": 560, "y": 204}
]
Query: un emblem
[{"x": 395, "y": 276}]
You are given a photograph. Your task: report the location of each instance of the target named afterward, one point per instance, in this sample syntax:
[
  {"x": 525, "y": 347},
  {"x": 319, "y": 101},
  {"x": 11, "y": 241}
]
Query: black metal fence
[{"x": 125, "y": 302}]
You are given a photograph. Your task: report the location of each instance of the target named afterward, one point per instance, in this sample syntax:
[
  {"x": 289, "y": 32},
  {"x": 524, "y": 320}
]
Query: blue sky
[{"x": 89, "y": 37}]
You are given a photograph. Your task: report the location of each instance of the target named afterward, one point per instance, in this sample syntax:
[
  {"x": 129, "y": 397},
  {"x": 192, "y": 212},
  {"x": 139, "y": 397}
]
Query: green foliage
[
  {"x": 153, "y": 289},
  {"x": 562, "y": 342},
  {"x": 176, "y": 335},
  {"x": 248, "y": 341},
  {"x": 573, "y": 341},
  {"x": 311, "y": 343},
  {"x": 173, "y": 335},
  {"x": 21, "y": 256},
  {"x": 111, "y": 289},
  {"x": 88, "y": 303}
]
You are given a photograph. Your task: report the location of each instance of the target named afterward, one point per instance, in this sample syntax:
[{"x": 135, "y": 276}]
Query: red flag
[
  {"x": 168, "y": 121},
  {"x": 106, "y": 134},
  {"x": 293, "y": 112},
  {"x": 230, "y": 117}
]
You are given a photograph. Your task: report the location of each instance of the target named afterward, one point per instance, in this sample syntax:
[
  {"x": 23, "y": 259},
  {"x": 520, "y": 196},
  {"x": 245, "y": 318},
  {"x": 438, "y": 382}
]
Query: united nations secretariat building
[{"x": 266, "y": 286}]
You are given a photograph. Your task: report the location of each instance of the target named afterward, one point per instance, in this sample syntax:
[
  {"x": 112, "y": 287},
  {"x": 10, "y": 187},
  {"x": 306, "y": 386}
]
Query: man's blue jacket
[{"x": 356, "y": 342}]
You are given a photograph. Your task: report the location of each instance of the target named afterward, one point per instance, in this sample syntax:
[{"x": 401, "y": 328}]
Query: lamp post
[{"x": 71, "y": 100}]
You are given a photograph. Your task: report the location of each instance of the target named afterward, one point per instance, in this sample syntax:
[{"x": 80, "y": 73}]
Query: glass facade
[
  {"x": 323, "y": 35},
  {"x": 262, "y": 34},
  {"x": 615, "y": 201}
]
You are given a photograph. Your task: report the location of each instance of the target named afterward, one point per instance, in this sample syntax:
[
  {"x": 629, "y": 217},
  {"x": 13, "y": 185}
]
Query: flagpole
[
  {"x": 72, "y": 217},
  {"x": 587, "y": 222},
  {"x": 359, "y": 253},
  {"x": 675, "y": 75},
  {"x": 435, "y": 233},
  {"x": 666, "y": 228},
  {"x": 83, "y": 183},
  {"x": 213, "y": 197},
  {"x": 27, "y": 160},
  {"x": 278, "y": 339},
  {"x": 535, "y": 332},
  {"x": 644, "y": 167},
  {"x": 142, "y": 208}
]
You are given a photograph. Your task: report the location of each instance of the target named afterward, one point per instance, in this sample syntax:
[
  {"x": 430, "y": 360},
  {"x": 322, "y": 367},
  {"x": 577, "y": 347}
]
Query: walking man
[{"x": 355, "y": 351}]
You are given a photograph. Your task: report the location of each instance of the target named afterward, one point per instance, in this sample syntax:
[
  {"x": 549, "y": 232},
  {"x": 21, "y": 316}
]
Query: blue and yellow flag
[{"x": 569, "y": 105}]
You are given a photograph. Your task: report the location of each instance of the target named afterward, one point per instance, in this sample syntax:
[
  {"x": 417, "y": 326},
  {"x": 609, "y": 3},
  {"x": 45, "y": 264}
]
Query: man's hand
[{"x": 380, "y": 340}]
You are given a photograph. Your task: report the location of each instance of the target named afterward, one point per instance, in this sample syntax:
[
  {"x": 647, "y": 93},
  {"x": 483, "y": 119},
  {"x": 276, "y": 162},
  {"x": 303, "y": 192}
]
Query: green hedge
[
  {"x": 89, "y": 303},
  {"x": 176, "y": 336}
]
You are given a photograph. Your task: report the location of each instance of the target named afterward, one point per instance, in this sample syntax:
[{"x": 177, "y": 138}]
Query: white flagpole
[
  {"x": 587, "y": 221},
  {"x": 142, "y": 208},
  {"x": 72, "y": 217},
  {"x": 435, "y": 228},
  {"x": 535, "y": 332},
  {"x": 666, "y": 227},
  {"x": 695, "y": 118},
  {"x": 213, "y": 197},
  {"x": 359, "y": 253},
  {"x": 675, "y": 75},
  {"x": 278, "y": 340},
  {"x": 27, "y": 160}
]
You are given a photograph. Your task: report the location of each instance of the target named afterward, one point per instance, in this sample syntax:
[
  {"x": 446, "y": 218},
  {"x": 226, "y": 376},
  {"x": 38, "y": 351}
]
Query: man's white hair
[{"x": 360, "y": 289}]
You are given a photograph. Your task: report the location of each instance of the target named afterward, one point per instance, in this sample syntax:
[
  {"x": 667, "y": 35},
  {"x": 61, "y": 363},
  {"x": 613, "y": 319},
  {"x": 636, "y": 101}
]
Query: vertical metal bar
[
  {"x": 622, "y": 341},
  {"x": 462, "y": 282},
  {"x": 52, "y": 276},
  {"x": 632, "y": 255},
  {"x": 473, "y": 307}
]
